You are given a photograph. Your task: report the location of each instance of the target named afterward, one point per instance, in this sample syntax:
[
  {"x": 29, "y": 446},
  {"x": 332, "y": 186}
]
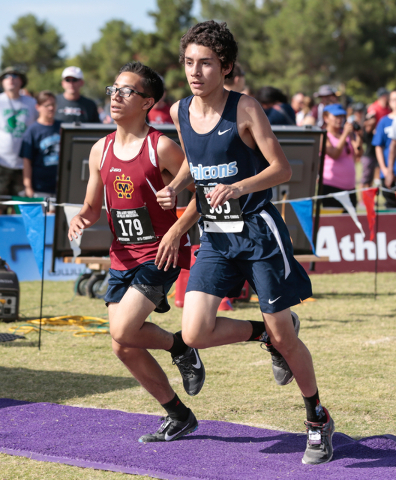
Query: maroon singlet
[{"x": 131, "y": 184}]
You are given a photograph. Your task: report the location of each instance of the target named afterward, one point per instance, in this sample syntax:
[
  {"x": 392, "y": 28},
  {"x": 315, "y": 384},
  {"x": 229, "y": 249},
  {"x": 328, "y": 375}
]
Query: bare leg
[
  {"x": 279, "y": 327},
  {"x": 128, "y": 325},
  {"x": 132, "y": 335},
  {"x": 202, "y": 329},
  {"x": 146, "y": 370}
]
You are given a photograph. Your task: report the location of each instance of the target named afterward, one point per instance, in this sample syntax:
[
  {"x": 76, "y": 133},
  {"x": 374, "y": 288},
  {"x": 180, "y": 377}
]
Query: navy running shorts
[
  {"x": 262, "y": 254},
  {"x": 146, "y": 274}
]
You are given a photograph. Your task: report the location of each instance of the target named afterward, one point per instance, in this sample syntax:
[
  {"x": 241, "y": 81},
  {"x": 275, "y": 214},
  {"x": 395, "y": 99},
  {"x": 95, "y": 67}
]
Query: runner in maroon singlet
[{"x": 150, "y": 246}]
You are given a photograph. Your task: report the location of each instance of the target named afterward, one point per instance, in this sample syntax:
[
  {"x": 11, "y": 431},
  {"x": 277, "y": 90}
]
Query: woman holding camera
[{"x": 343, "y": 148}]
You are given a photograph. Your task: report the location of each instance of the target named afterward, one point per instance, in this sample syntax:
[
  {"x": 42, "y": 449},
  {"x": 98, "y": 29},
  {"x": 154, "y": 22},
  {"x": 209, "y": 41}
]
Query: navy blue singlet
[{"x": 220, "y": 156}]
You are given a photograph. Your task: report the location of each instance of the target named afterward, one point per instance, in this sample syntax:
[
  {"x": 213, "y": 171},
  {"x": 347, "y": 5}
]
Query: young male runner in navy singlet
[
  {"x": 150, "y": 246},
  {"x": 234, "y": 159}
]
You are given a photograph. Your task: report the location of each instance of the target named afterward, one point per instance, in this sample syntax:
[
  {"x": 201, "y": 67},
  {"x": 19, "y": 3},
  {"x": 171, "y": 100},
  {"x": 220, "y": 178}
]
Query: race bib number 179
[
  {"x": 133, "y": 226},
  {"x": 226, "y": 218}
]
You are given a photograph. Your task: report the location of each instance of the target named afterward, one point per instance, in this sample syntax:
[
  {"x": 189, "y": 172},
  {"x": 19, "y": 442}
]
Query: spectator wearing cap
[
  {"x": 327, "y": 96},
  {"x": 381, "y": 106},
  {"x": 71, "y": 106},
  {"x": 357, "y": 113},
  {"x": 343, "y": 147},
  {"x": 237, "y": 82},
  {"x": 17, "y": 112},
  {"x": 385, "y": 133}
]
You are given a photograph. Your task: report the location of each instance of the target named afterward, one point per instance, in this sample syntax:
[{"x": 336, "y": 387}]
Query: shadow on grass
[
  {"x": 19, "y": 343},
  {"x": 362, "y": 295},
  {"x": 55, "y": 387}
]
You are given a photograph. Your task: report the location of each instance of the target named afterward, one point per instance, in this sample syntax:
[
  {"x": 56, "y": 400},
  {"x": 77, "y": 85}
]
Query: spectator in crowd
[
  {"x": 357, "y": 113},
  {"x": 275, "y": 106},
  {"x": 390, "y": 177},
  {"x": 342, "y": 148},
  {"x": 40, "y": 149},
  {"x": 71, "y": 106},
  {"x": 237, "y": 82},
  {"x": 327, "y": 96},
  {"x": 17, "y": 112},
  {"x": 297, "y": 104},
  {"x": 381, "y": 106},
  {"x": 308, "y": 118},
  {"x": 160, "y": 113},
  {"x": 302, "y": 105},
  {"x": 382, "y": 141},
  {"x": 369, "y": 158}
]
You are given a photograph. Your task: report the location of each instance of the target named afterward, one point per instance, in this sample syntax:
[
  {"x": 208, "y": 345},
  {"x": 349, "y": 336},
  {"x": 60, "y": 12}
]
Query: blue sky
[{"x": 79, "y": 21}]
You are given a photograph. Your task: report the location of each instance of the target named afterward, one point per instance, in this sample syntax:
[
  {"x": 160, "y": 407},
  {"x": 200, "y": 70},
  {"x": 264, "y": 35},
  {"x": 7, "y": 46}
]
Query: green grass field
[{"x": 351, "y": 335}]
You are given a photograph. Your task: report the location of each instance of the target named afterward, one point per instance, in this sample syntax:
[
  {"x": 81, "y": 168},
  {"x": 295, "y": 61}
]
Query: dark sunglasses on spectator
[
  {"x": 124, "y": 92},
  {"x": 11, "y": 75},
  {"x": 71, "y": 79}
]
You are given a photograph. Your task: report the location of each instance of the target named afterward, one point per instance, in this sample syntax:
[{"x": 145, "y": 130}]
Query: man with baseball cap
[
  {"x": 327, "y": 96},
  {"x": 71, "y": 105},
  {"x": 17, "y": 112}
]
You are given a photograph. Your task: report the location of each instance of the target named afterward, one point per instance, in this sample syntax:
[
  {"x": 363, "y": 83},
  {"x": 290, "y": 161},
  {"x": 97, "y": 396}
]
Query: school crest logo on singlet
[{"x": 123, "y": 186}]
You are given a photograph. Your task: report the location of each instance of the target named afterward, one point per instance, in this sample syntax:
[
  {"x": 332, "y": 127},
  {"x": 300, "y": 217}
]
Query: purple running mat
[{"x": 107, "y": 440}]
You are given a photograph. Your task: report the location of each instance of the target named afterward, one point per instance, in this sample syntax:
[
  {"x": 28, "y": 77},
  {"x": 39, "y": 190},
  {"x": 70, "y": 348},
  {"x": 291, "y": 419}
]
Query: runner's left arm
[
  {"x": 171, "y": 158},
  {"x": 255, "y": 130}
]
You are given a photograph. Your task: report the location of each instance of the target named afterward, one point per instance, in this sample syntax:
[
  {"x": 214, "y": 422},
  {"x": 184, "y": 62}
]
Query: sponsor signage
[
  {"x": 16, "y": 251},
  {"x": 340, "y": 240}
]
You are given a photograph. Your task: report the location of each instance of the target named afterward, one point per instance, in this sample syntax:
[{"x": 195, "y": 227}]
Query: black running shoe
[
  {"x": 192, "y": 371},
  {"x": 281, "y": 370},
  {"x": 319, "y": 441},
  {"x": 171, "y": 429}
]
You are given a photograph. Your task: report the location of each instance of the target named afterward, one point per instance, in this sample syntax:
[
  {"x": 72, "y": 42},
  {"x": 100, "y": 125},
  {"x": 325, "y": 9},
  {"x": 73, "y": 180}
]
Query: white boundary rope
[{"x": 48, "y": 202}]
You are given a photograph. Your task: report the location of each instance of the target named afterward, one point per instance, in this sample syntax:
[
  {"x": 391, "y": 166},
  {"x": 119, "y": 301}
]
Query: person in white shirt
[{"x": 17, "y": 112}]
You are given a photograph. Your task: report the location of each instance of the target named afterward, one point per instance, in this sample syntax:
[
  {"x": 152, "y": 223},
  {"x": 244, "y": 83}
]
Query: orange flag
[{"x": 369, "y": 200}]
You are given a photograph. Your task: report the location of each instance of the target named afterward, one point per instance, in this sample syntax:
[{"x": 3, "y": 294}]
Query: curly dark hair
[{"x": 215, "y": 36}]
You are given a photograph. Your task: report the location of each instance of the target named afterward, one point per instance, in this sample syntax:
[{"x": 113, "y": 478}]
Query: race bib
[
  {"x": 133, "y": 226},
  {"x": 223, "y": 219}
]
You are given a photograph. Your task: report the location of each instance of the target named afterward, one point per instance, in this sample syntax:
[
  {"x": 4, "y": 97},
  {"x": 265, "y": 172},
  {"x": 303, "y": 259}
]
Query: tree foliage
[
  {"x": 102, "y": 61},
  {"x": 292, "y": 44},
  {"x": 301, "y": 44},
  {"x": 160, "y": 50},
  {"x": 35, "y": 46}
]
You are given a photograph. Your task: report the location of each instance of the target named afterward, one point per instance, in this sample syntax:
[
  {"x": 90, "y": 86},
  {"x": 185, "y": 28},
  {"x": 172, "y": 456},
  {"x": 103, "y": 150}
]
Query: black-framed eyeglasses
[{"x": 124, "y": 92}]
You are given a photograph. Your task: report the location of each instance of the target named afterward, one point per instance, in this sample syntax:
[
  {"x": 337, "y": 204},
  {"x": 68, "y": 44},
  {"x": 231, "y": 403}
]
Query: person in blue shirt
[
  {"x": 382, "y": 140},
  {"x": 234, "y": 159},
  {"x": 40, "y": 149}
]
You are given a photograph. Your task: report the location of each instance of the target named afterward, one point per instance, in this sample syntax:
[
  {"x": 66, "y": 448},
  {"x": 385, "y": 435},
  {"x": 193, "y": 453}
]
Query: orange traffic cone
[{"x": 225, "y": 304}]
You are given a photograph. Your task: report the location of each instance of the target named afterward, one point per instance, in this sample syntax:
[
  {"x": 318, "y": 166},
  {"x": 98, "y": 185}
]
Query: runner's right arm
[
  {"x": 167, "y": 196},
  {"x": 91, "y": 210}
]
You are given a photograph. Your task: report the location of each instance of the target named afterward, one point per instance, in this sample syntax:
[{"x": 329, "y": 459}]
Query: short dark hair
[
  {"x": 270, "y": 94},
  {"x": 151, "y": 82},
  {"x": 215, "y": 36},
  {"x": 43, "y": 96}
]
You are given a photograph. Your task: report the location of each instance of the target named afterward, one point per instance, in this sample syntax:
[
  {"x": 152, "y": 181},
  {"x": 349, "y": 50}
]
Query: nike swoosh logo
[
  {"x": 225, "y": 131},
  {"x": 169, "y": 437},
  {"x": 198, "y": 364},
  {"x": 273, "y": 301}
]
